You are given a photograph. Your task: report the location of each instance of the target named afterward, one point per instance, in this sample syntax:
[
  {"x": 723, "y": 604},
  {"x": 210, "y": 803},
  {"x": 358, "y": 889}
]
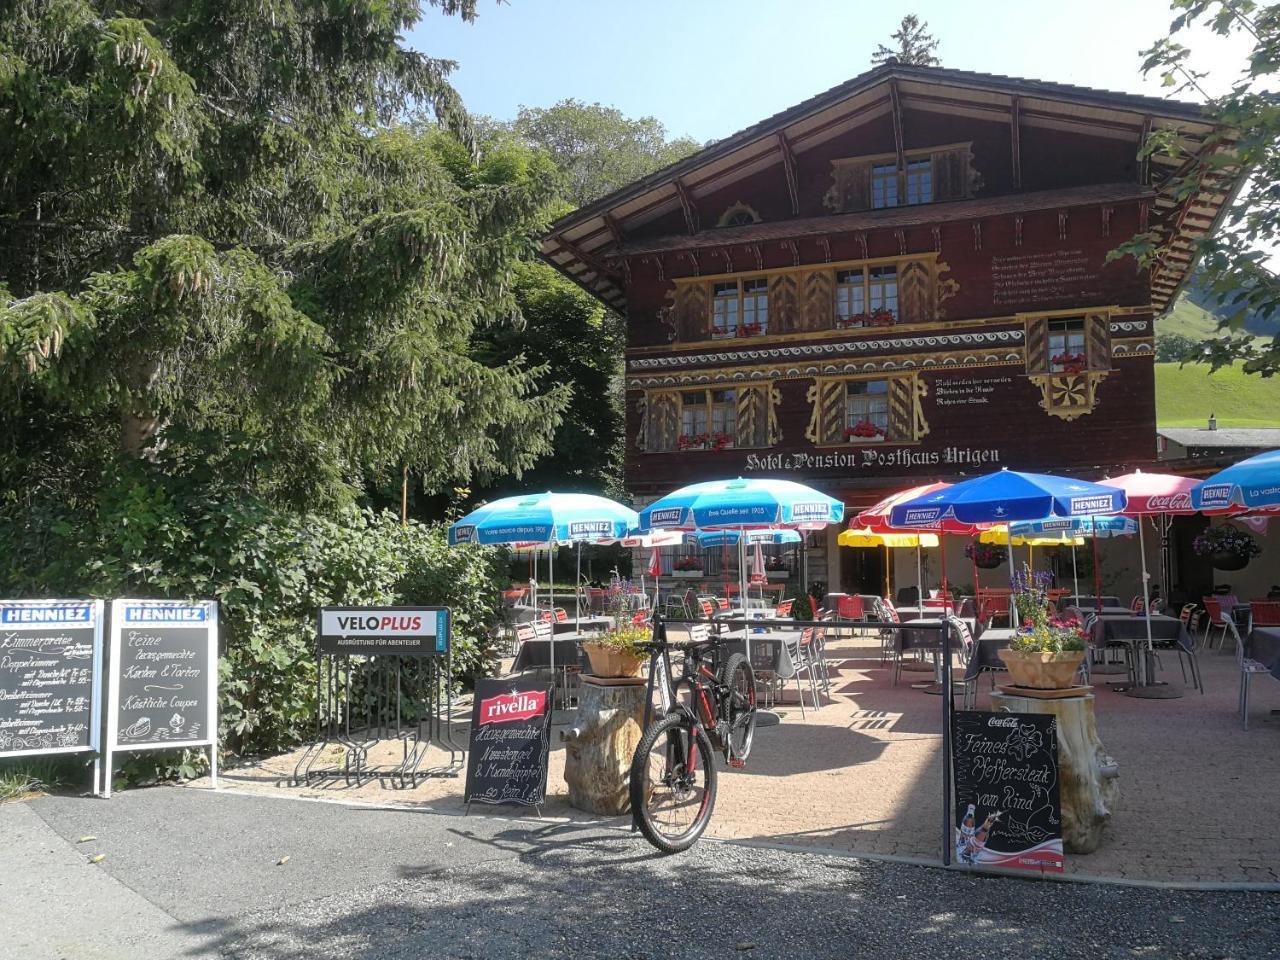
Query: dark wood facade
[{"x": 780, "y": 283}]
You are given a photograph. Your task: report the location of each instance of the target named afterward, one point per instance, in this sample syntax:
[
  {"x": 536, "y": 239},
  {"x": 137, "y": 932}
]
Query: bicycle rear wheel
[
  {"x": 740, "y": 706},
  {"x": 673, "y": 783}
]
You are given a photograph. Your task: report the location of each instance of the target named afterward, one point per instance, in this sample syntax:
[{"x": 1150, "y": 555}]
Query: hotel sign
[{"x": 868, "y": 458}]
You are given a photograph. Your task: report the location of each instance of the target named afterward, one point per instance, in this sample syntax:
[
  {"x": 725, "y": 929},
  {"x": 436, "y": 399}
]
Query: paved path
[{"x": 191, "y": 873}]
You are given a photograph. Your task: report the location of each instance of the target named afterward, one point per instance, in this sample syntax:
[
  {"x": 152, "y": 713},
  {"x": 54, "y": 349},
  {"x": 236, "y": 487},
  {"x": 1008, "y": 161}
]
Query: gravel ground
[{"x": 370, "y": 883}]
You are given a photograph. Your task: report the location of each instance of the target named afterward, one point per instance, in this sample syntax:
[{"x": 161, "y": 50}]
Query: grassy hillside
[
  {"x": 1185, "y": 396},
  {"x": 1188, "y": 320}
]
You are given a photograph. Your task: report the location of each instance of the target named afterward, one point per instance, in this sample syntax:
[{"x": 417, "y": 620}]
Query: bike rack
[
  {"x": 365, "y": 700},
  {"x": 948, "y": 705}
]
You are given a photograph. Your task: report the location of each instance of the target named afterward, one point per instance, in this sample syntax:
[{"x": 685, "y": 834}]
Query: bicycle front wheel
[
  {"x": 739, "y": 707},
  {"x": 673, "y": 783}
]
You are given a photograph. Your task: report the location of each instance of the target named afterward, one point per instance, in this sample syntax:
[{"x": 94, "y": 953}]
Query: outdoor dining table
[
  {"x": 593, "y": 624},
  {"x": 1082, "y": 612},
  {"x": 1091, "y": 603},
  {"x": 537, "y": 653},
  {"x": 1264, "y": 646},
  {"x": 1131, "y": 630},
  {"x": 964, "y": 610}
]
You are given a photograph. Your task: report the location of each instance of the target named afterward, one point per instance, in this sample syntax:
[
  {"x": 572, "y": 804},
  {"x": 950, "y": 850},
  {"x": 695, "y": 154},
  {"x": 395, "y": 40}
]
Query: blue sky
[{"x": 706, "y": 68}]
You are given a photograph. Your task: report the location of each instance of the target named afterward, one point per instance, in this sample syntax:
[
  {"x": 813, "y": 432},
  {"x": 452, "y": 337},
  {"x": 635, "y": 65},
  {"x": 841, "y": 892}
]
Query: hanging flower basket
[
  {"x": 986, "y": 556},
  {"x": 1227, "y": 547}
]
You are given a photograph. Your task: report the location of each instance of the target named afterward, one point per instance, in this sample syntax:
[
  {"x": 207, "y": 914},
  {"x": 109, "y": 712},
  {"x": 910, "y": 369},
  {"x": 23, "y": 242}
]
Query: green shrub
[{"x": 270, "y": 571}]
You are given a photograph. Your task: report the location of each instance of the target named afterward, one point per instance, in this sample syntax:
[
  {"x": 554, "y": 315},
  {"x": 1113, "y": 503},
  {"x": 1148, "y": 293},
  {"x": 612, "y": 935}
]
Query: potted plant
[
  {"x": 688, "y": 568},
  {"x": 1227, "y": 547},
  {"x": 851, "y": 322},
  {"x": 615, "y": 653},
  {"x": 1046, "y": 652},
  {"x": 864, "y": 431},
  {"x": 987, "y": 556},
  {"x": 693, "y": 441}
]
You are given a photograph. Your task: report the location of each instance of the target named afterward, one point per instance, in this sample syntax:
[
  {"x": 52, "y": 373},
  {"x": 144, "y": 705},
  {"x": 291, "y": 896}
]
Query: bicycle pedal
[{"x": 737, "y": 764}]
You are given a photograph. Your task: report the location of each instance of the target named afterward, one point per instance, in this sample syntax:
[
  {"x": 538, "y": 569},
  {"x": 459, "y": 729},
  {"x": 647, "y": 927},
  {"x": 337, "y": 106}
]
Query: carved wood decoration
[
  {"x": 850, "y": 186},
  {"x": 817, "y": 298},
  {"x": 954, "y": 175},
  {"x": 784, "y": 303},
  {"x": 943, "y": 290},
  {"x": 687, "y": 206},
  {"x": 1037, "y": 340},
  {"x": 789, "y": 170},
  {"x": 1015, "y": 135},
  {"x": 826, "y": 423},
  {"x": 919, "y": 392},
  {"x": 1069, "y": 395}
]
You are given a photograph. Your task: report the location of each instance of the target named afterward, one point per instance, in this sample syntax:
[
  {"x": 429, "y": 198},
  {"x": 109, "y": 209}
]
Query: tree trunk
[
  {"x": 598, "y": 750},
  {"x": 1088, "y": 779}
]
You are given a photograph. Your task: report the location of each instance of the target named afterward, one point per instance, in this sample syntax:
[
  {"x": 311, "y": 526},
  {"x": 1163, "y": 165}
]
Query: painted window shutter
[
  {"x": 1097, "y": 341},
  {"x": 693, "y": 310},
  {"x": 951, "y": 177},
  {"x": 1038, "y": 346},
  {"x": 915, "y": 292},
  {"x": 902, "y": 408},
  {"x": 753, "y": 416},
  {"x": 662, "y": 422},
  {"x": 817, "y": 300},
  {"x": 784, "y": 303},
  {"x": 826, "y": 423},
  {"x": 850, "y": 187}
]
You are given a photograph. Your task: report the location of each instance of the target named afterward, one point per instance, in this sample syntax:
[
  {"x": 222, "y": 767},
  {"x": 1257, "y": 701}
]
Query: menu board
[
  {"x": 1005, "y": 769},
  {"x": 50, "y": 675},
  {"x": 510, "y": 742},
  {"x": 164, "y": 666}
]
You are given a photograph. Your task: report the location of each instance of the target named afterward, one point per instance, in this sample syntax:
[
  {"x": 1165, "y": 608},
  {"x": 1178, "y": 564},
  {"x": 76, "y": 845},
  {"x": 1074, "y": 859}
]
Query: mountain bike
[{"x": 673, "y": 773}]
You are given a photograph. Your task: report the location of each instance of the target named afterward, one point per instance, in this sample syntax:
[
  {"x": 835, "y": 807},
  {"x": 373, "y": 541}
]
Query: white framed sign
[
  {"x": 162, "y": 693},
  {"x": 51, "y": 677}
]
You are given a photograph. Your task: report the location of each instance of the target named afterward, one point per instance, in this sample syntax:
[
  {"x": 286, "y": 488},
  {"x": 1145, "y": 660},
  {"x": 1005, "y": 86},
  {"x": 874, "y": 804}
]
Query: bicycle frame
[{"x": 705, "y": 692}]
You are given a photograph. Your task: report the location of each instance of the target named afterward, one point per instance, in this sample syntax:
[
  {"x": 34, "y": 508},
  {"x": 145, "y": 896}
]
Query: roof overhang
[{"x": 588, "y": 244}]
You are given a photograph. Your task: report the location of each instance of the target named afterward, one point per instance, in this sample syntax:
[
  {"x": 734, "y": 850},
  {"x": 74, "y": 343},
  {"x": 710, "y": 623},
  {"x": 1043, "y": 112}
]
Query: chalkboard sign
[
  {"x": 163, "y": 691},
  {"x": 510, "y": 742},
  {"x": 1008, "y": 813},
  {"x": 50, "y": 676},
  {"x": 385, "y": 631}
]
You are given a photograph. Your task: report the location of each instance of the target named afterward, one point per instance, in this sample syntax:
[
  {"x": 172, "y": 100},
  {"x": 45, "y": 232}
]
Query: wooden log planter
[
  {"x": 598, "y": 750},
  {"x": 1088, "y": 779}
]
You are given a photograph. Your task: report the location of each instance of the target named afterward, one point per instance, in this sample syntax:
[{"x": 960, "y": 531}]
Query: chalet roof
[{"x": 585, "y": 244}]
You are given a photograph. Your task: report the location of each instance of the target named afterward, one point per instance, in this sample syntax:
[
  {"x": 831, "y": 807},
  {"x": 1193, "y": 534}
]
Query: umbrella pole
[
  {"x": 742, "y": 588},
  {"x": 577, "y": 592},
  {"x": 551, "y": 644},
  {"x": 946, "y": 595},
  {"x": 1075, "y": 573},
  {"x": 888, "y": 588},
  {"x": 1143, "y": 679},
  {"x": 919, "y": 577},
  {"x": 1097, "y": 576}
]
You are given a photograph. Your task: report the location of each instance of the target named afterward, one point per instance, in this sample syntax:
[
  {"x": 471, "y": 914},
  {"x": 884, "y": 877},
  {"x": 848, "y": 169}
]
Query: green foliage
[
  {"x": 596, "y": 148},
  {"x": 915, "y": 45},
  {"x": 262, "y": 234},
  {"x": 152, "y": 534},
  {"x": 1186, "y": 395},
  {"x": 1233, "y": 259},
  {"x": 1175, "y": 348}
]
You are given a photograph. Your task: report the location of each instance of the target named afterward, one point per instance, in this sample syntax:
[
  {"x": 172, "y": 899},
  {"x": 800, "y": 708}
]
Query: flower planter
[
  {"x": 858, "y": 441},
  {"x": 1228, "y": 561},
  {"x": 778, "y": 574},
  {"x": 988, "y": 563},
  {"x": 1042, "y": 671},
  {"x": 609, "y": 661},
  {"x": 687, "y": 574}
]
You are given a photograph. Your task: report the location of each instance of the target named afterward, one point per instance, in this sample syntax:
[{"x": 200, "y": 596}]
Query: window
[
  {"x": 883, "y": 288},
  {"x": 708, "y": 419},
  {"x": 740, "y": 309},
  {"x": 1066, "y": 345},
  {"x": 884, "y": 186},
  {"x": 866, "y": 408},
  {"x": 851, "y": 298},
  {"x": 724, "y": 311},
  {"x": 755, "y": 307},
  {"x": 920, "y": 181},
  {"x": 724, "y": 412},
  {"x": 693, "y": 414}
]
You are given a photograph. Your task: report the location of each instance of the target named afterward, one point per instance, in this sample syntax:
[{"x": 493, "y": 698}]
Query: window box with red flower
[
  {"x": 1069, "y": 362},
  {"x": 751, "y": 330},
  {"x": 882, "y": 317},
  {"x": 864, "y": 431},
  {"x": 851, "y": 322},
  {"x": 721, "y": 441},
  {"x": 693, "y": 441}
]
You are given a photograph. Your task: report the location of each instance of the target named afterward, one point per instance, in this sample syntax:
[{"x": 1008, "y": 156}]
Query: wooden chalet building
[{"x": 899, "y": 280}]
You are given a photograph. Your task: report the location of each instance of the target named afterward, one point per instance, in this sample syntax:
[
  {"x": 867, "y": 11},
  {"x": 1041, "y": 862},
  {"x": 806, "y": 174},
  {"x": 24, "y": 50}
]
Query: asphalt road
[{"x": 190, "y": 873}]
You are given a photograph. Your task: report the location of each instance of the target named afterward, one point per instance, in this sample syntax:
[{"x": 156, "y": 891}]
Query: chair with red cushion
[
  {"x": 1218, "y": 620},
  {"x": 783, "y": 609},
  {"x": 1264, "y": 613}
]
